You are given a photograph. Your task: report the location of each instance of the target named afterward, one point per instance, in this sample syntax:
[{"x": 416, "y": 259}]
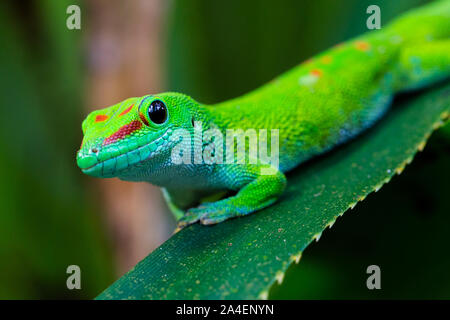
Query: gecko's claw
[{"x": 177, "y": 229}]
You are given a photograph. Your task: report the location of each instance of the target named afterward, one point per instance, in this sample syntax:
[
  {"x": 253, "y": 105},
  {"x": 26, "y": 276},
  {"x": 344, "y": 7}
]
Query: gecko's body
[{"x": 315, "y": 106}]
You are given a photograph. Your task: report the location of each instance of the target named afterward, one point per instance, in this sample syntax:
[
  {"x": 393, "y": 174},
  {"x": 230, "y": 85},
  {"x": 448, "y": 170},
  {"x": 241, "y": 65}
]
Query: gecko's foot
[
  {"x": 191, "y": 216},
  {"x": 207, "y": 214}
]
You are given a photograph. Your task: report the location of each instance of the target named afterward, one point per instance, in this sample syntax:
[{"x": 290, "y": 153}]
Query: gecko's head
[{"x": 118, "y": 140}]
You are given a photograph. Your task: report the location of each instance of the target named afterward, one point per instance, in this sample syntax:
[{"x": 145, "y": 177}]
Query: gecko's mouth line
[
  {"x": 110, "y": 166},
  {"x": 124, "y": 160}
]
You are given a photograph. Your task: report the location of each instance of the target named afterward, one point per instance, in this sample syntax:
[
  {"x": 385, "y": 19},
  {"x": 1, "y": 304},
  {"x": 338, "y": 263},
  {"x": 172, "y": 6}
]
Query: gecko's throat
[{"x": 108, "y": 161}]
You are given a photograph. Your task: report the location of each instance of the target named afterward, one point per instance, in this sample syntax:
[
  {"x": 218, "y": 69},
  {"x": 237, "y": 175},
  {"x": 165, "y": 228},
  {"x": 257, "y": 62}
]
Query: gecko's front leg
[{"x": 256, "y": 190}]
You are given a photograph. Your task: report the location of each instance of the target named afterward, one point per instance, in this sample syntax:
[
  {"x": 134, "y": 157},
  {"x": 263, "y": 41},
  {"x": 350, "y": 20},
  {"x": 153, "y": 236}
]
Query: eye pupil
[{"x": 157, "y": 112}]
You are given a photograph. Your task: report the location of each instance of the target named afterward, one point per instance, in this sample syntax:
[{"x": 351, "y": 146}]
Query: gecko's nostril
[{"x": 94, "y": 150}]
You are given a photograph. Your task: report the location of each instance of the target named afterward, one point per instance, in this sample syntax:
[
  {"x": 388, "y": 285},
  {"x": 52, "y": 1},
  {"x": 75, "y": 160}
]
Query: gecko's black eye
[{"x": 157, "y": 112}]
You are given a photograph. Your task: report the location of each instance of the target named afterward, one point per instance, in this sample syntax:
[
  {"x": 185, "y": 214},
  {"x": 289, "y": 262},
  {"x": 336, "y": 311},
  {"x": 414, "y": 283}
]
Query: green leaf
[
  {"x": 241, "y": 258},
  {"x": 403, "y": 229}
]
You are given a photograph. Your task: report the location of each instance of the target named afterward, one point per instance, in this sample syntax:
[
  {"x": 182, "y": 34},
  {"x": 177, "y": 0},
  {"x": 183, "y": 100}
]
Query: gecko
[{"x": 312, "y": 108}]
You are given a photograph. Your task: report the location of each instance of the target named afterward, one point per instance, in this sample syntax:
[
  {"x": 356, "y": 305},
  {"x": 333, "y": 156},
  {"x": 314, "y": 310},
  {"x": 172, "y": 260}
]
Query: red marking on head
[
  {"x": 123, "y": 132},
  {"x": 362, "y": 46},
  {"x": 143, "y": 119},
  {"x": 126, "y": 110},
  {"x": 101, "y": 117},
  {"x": 316, "y": 72}
]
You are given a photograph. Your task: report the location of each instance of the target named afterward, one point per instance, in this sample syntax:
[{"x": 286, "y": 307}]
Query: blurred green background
[{"x": 213, "y": 50}]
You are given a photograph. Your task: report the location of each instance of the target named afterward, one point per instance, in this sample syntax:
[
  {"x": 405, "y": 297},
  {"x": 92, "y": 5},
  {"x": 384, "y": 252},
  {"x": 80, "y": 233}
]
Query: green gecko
[{"x": 315, "y": 106}]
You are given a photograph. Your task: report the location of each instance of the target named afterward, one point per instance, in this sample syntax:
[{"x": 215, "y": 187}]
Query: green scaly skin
[{"x": 315, "y": 106}]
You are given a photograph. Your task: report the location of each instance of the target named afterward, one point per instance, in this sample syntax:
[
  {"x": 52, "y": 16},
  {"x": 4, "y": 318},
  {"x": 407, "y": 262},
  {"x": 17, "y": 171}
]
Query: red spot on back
[
  {"x": 362, "y": 46},
  {"x": 101, "y": 117},
  {"x": 316, "y": 72},
  {"x": 123, "y": 132},
  {"x": 126, "y": 110}
]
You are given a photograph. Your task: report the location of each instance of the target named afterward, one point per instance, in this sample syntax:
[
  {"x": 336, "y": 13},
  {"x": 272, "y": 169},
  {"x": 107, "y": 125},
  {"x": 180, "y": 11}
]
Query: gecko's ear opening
[{"x": 193, "y": 121}]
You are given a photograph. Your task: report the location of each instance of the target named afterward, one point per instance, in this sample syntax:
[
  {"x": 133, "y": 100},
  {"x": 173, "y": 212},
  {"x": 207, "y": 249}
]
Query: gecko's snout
[{"x": 86, "y": 160}]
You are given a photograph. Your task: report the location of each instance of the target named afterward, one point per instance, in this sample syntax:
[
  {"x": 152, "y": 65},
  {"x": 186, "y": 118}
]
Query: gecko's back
[{"x": 337, "y": 94}]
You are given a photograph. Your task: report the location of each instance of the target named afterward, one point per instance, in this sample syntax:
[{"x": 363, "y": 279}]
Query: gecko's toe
[
  {"x": 208, "y": 221},
  {"x": 214, "y": 217},
  {"x": 191, "y": 216},
  {"x": 184, "y": 223}
]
